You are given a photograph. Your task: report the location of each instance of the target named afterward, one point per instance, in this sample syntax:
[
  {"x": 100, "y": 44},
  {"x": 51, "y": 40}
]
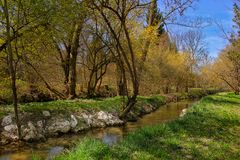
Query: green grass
[
  {"x": 63, "y": 106},
  {"x": 107, "y": 104},
  {"x": 209, "y": 131}
]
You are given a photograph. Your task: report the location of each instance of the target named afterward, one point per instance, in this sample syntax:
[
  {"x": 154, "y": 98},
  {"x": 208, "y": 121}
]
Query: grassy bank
[
  {"x": 63, "y": 106},
  {"x": 112, "y": 104},
  {"x": 209, "y": 130}
]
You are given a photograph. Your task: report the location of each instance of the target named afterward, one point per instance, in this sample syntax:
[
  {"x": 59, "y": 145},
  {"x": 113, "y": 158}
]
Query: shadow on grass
[
  {"x": 220, "y": 100},
  {"x": 167, "y": 141}
]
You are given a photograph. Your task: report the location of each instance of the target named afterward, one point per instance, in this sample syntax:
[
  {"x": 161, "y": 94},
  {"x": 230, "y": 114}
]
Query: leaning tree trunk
[
  {"x": 131, "y": 101},
  {"x": 11, "y": 68},
  {"x": 134, "y": 75}
]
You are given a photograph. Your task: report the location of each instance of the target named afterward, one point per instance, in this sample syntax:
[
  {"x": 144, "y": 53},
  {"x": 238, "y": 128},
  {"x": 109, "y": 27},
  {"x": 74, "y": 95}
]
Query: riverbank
[
  {"x": 41, "y": 120},
  {"x": 209, "y": 130},
  {"x": 51, "y": 119}
]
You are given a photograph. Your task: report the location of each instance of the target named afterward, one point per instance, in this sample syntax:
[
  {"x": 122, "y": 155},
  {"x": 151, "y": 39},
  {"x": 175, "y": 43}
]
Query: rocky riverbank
[
  {"x": 38, "y": 127},
  {"x": 210, "y": 130},
  {"x": 42, "y": 120}
]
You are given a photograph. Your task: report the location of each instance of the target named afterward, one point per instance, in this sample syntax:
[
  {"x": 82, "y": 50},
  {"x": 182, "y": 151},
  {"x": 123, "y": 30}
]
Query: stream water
[{"x": 110, "y": 136}]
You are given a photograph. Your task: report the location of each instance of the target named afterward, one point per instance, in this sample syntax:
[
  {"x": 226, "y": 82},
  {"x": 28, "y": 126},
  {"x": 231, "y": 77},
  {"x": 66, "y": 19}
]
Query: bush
[{"x": 196, "y": 93}]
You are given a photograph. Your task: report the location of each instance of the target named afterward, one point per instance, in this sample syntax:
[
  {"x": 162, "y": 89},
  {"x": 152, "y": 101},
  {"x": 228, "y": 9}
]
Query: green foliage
[
  {"x": 71, "y": 105},
  {"x": 199, "y": 92},
  {"x": 113, "y": 104},
  {"x": 6, "y": 92},
  {"x": 209, "y": 130},
  {"x": 87, "y": 150},
  {"x": 36, "y": 157}
]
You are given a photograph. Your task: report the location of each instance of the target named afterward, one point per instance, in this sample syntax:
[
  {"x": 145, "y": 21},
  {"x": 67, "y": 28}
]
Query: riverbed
[{"x": 110, "y": 136}]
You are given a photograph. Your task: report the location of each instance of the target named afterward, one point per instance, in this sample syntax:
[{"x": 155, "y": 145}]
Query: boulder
[
  {"x": 31, "y": 133},
  {"x": 102, "y": 116},
  {"x": 58, "y": 125},
  {"x": 40, "y": 124},
  {"x": 40, "y": 127},
  {"x": 184, "y": 111},
  {"x": 107, "y": 119},
  {"x": 46, "y": 113},
  {"x": 4, "y": 140},
  {"x": 85, "y": 115},
  {"x": 87, "y": 118},
  {"x": 73, "y": 121},
  {"x": 10, "y": 132},
  {"x": 114, "y": 121},
  {"x": 7, "y": 120},
  {"x": 81, "y": 125},
  {"x": 96, "y": 123},
  {"x": 148, "y": 109}
]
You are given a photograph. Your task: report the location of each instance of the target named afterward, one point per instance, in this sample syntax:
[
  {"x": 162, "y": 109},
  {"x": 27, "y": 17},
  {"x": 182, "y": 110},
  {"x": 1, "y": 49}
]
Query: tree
[
  {"x": 119, "y": 17},
  {"x": 105, "y": 8},
  {"x": 96, "y": 59},
  {"x": 66, "y": 39},
  {"x": 192, "y": 43},
  {"x": 29, "y": 18},
  {"x": 227, "y": 66},
  {"x": 11, "y": 67}
]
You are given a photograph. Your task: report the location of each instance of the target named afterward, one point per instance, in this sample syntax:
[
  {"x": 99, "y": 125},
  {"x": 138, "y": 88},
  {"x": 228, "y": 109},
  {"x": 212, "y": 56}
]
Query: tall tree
[
  {"x": 66, "y": 37},
  {"x": 192, "y": 43},
  {"x": 118, "y": 16},
  {"x": 227, "y": 65},
  {"x": 12, "y": 71}
]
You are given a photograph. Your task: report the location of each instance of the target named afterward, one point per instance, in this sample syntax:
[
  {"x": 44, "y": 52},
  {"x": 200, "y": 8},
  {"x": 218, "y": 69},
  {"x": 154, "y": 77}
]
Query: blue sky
[{"x": 216, "y": 10}]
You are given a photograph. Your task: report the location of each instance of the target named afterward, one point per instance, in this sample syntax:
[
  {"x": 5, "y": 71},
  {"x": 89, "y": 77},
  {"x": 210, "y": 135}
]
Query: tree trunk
[
  {"x": 134, "y": 75},
  {"x": 66, "y": 68},
  {"x": 177, "y": 87},
  {"x": 130, "y": 104},
  {"x": 65, "y": 63},
  {"x": 90, "y": 88},
  {"x": 11, "y": 69},
  {"x": 73, "y": 61},
  {"x": 121, "y": 85},
  {"x": 48, "y": 86},
  {"x": 73, "y": 77},
  {"x": 186, "y": 87}
]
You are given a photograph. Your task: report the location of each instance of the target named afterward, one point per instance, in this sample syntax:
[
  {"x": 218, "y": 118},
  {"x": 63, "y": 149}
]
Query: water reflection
[{"x": 110, "y": 136}]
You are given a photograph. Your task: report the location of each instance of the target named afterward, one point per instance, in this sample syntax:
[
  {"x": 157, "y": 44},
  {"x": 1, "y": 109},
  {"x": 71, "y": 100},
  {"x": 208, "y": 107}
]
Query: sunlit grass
[
  {"x": 209, "y": 130},
  {"x": 113, "y": 104}
]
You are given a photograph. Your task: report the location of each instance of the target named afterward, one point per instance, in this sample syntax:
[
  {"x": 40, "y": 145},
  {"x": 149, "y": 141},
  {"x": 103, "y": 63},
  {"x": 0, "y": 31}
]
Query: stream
[{"x": 110, "y": 136}]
